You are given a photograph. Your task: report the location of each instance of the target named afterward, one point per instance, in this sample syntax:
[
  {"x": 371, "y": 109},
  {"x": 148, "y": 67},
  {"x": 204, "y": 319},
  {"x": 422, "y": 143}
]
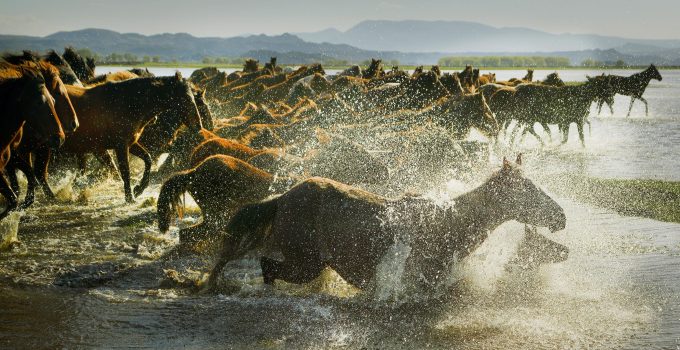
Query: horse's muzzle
[{"x": 559, "y": 223}]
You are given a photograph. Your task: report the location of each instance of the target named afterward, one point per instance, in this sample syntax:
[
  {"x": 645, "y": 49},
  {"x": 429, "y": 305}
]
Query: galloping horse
[
  {"x": 220, "y": 184},
  {"x": 633, "y": 86},
  {"x": 322, "y": 223},
  {"x": 106, "y": 123},
  {"x": 24, "y": 99},
  {"x": 31, "y": 141}
]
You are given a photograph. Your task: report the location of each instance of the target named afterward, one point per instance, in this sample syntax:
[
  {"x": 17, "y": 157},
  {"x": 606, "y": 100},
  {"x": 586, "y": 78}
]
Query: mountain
[
  {"x": 180, "y": 46},
  {"x": 291, "y": 49},
  {"x": 460, "y": 36}
]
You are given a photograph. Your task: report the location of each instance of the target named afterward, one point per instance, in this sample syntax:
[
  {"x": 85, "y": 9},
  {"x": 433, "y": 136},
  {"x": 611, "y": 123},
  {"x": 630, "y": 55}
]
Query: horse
[
  {"x": 460, "y": 114},
  {"x": 219, "y": 184},
  {"x": 336, "y": 157},
  {"x": 535, "y": 103},
  {"x": 84, "y": 69},
  {"x": 373, "y": 70},
  {"x": 31, "y": 140},
  {"x": 24, "y": 99},
  {"x": 65, "y": 72},
  {"x": 107, "y": 124},
  {"x": 633, "y": 86},
  {"x": 321, "y": 223}
]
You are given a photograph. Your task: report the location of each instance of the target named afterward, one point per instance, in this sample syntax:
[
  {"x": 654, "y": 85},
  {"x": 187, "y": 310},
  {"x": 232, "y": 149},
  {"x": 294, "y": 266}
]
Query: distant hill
[
  {"x": 459, "y": 36},
  {"x": 479, "y": 40}
]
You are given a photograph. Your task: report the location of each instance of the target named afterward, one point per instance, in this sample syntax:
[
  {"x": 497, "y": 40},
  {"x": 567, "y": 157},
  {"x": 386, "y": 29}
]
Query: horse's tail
[
  {"x": 169, "y": 197},
  {"x": 246, "y": 230}
]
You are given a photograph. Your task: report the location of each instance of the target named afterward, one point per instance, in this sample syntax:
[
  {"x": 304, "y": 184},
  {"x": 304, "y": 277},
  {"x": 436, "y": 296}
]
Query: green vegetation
[
  {"x": 505, "y": 61},
  {"x": 654, "y": 199}
]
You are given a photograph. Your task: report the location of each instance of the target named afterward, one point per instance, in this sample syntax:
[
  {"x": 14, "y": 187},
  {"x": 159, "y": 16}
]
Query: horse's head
[
  {"x": 182, "y": 101},
  {"x": 63, "y": 106},
  {"x": 251, "y": 65},
  {"x": 65, "y": 72},
  {"x": 654, "y": 73},
  {"x": 38, "y": 107},
  {"x": 518, "y": 198},
  {"x": 78, "y": 64}
]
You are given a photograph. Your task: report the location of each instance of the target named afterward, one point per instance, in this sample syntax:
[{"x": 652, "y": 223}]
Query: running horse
[
  {"x": 31, "y": 141},
  {"x": 113, "y": 116},
  {"x": 24, "y": 99},
  {"x": 633, "y": 86},
  {"x": 322, "y": 223}
]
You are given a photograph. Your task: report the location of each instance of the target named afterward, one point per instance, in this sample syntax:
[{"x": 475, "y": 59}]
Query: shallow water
[{"x": 89, "y": 271}]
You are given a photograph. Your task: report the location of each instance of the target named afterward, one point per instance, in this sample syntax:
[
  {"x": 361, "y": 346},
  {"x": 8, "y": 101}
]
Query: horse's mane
[{"x": 25, "y": 56}]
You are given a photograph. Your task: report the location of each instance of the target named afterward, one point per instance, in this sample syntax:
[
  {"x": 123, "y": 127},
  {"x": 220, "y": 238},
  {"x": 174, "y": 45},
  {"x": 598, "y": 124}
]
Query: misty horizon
[{"x": 211, "y": 18}]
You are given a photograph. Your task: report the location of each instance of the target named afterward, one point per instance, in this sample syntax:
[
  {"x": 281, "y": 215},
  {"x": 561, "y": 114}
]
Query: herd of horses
[{"x": 234, "y": 140}]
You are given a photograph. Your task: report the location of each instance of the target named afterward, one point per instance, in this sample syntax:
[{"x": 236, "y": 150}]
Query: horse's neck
[
  {"x": 13, "y": 119},
  {"x": 475, "y": 214},
  {"x": 643, "y": 78}
]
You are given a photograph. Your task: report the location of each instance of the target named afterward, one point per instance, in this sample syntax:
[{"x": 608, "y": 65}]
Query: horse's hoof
[
  {"x": 130, "y": 200},
  {"x": 269, "y": 269}
]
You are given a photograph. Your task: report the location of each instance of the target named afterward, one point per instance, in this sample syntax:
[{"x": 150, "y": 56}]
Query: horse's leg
[
  {"x": 141, "y": 152},
  {"x": 546, "y": 129},
  {"x": 646, "y": 105},
  {"x": 40, "y": 166},
  {"x": 11, "y": 171},
  {"x": 293, "y": 271},
  {"x": 10, "y": 196},
  {"x": 579, "y": 126},
  {"x": 565, "y": 133},
  {"x": 122, "y": 155},
  {"x": 22, "y": 164},
  {"x": 106, "y": 160},
  {"x": 630, "y": 108},
  {"x": 599, "y": 106}
]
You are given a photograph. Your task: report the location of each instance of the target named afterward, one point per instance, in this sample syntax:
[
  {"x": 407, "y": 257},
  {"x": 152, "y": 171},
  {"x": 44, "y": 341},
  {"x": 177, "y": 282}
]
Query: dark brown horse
[
  {"x": 24, "y": 99},
  {"x": 633, "y": 86},
  {"x": 31, "y": 140},
  {"x": 106, "y": 123},
  {"x": 322, "y": 223}
]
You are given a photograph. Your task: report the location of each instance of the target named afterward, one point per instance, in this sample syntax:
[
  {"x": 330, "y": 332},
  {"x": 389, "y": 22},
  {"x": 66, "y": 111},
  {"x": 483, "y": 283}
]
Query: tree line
[{"x": 505, "y": 61}]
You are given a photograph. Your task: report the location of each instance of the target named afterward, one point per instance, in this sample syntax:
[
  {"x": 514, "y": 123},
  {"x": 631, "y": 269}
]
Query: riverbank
[{"x": 653, "y": 199}]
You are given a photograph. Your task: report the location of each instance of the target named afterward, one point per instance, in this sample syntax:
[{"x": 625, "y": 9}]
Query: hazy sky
[{"x": 654, "y": 19}]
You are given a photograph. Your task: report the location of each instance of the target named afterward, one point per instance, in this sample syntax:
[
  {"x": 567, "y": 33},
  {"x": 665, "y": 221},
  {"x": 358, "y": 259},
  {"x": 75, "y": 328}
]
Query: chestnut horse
[
  {"x": 322, "y": 223},
  {"x": 220, "y": 185},
  {"x": 24, "y": 99},
  {"x": 113, "y": 116}
]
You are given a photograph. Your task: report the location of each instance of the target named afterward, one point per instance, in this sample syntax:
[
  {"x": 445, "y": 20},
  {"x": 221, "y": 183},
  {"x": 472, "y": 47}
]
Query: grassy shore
[{"x": 654, "y": 199}]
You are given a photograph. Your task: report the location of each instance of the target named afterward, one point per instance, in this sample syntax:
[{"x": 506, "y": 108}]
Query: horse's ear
[
  {"x": 178, "y": 75},
  {"x": 519, "y": 159}
]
